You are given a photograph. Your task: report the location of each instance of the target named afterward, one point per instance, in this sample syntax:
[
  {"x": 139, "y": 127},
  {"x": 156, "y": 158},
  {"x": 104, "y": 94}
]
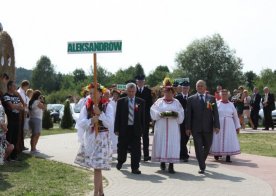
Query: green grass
[
  {"x": 36, "y": 176},
  {"x": 54, "y": 131},
  {"x": 258, "y": 143}
]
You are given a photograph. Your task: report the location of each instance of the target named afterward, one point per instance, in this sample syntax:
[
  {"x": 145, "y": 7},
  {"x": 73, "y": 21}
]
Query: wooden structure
[{"x": 7, "y": 60}]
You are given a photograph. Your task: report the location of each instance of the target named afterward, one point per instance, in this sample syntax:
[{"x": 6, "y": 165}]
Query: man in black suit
[
  {"x": 145, "y": 93},
  {"x": 129, "y": 126},
  {"x": 268, "y": 102},
  {"x": 255, "y": 107},
  {"x": 201, "y": 120},
  {"x": 182, "y": 98}
]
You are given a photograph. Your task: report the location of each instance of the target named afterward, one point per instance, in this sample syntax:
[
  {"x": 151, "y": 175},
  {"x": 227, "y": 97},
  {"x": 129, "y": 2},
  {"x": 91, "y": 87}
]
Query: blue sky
[{"x": 152, "y": 31}]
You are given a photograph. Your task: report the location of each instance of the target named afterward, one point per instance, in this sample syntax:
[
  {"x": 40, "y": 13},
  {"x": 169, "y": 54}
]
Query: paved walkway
[{"x": 246, "y": 175}]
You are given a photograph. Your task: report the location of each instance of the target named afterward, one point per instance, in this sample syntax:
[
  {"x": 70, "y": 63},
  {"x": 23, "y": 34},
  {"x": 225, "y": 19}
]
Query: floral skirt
[
  {"x": 3, "y": 146},
  {"x": 95, "y": 151}
]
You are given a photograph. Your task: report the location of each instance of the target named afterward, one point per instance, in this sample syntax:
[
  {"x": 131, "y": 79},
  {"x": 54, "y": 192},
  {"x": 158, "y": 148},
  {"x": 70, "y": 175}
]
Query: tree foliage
[
  {"x": 44, "y": 77},
  {"x": 250, "y": 77},
  {"x": 124, "y": 75},
  {"x": 209, "y": 59},
  {"x": 139, "y": 69},
  {"x": 22, "y": 74},
  {"x": 67, "y": 119},
  {"x": 103, "y": 76},
  {"x": 47, "y": 122},
  {"x": 79, "y": 75},
  {"x": 267, "y": 78},
  {"x": 212, "y": 60},
  {"x": 158, "y": 75}
]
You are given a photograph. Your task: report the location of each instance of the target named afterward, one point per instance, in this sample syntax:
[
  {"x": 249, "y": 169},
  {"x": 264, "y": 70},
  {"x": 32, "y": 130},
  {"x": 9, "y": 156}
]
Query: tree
[
  {"x": 139, "y": 69},
  {"x": 22, "y": 74},
  {"x": 44, "y": 77},
  {"x": 47, "y": 122},
  {"x": 158, "y": 75},
  {"x": 58, "y": 81},
  {"x": 79, "y": 75},
  {"x": 178, "y": 73},
  {"x": 124, "y": 75},
  {"x": 103, "y": 76},
  {"x": 68, "y": 82},
  {"x": 267, "y": 78},
  {"x": 250, "y": 76},
  {"x": 67, "y": 119},
  {"x": 212, "y": 60}
]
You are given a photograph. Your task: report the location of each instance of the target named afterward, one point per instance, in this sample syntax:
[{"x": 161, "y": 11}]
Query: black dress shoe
[
  {"x": 216, "y": 157},
  {"x": 136, "y": 171},
  {"x": 163, "y": 166},
  {"x": 265, "y": 129},
  {"x": 25, "y": 148},
  {"x": 228, "y": 159},
  {"x": 171, "y": 169},
  {"x": 147, "y": 158},
  {"x": 201, "y": 171},
  {"x": 119, "y": 166}
]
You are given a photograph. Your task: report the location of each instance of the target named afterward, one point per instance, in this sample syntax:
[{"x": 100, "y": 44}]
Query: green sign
[
  {"x": 94, "y": 47},
  {"x": 121, "y": 86}
]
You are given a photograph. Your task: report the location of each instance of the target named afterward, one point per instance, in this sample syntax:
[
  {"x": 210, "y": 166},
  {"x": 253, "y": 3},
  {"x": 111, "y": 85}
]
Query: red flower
[
  {"x": 89, "y": 102},
  {"x": 136, "y": 107}
]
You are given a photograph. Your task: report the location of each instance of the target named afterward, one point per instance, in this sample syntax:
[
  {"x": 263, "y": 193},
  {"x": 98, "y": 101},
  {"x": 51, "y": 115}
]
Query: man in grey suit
[{"x": 201, "y": 121}]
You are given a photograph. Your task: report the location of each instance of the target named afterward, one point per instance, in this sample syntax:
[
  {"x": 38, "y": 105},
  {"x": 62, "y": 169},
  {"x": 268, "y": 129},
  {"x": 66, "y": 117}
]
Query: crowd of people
[
  {"x": 118, "y": 123},
  {"x": 114, "y": 121},
  {"x": 21, "y": 112},
  {"x": 249, "y": 106}
]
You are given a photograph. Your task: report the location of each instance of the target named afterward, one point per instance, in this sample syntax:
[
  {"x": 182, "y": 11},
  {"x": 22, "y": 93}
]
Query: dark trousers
[
  {"x": 268, "y": 118},
  {"x": 146, "y": 140},
  {"x": 20, "y": 143},
  {"x": 12, "y": 135},
  {"x": 129, "y": 139},
  {"x": 183, "y": 145},
  {"x": 202, "y": 142},
  {"x": 254, "y": 115}
]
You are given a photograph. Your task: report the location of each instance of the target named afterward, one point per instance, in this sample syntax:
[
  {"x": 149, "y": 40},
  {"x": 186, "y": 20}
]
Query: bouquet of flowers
[{"x": 169, "y": 114}]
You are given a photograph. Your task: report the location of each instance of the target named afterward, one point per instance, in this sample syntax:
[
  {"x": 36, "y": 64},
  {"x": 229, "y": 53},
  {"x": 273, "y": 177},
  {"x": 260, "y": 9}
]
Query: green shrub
[
  {"x": 47, "y": 122},
  {"x": 67, "y": 119},
  {"x": 60, "y": 96}
]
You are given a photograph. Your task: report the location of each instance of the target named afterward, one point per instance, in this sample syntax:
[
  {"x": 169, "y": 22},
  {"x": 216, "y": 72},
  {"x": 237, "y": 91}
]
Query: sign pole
[
  {"x": 95, "y": 88},
  {"x": 83, "y": 47}
]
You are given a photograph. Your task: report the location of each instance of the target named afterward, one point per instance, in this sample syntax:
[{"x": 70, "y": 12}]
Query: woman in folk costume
[
  {"x": 113, "y": 102},
  {"x": 168, "y": 114},
  {"x": 226, "y": 143},
  {"x": 85, "y": 96},
  {"x": 95, "y": 150}
]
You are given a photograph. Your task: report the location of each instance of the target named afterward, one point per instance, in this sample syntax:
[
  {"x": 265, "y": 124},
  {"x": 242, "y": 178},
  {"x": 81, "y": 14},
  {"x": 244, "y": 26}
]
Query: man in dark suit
[
  {"x": 182, "y": 98},
  {"x": 255, "y": 107},
  {"x": 268, "y": 102},
  {"x": 145, "y": 93},
  {"x": 201, "y": 120},
  {"x": 129, "y": 126}
]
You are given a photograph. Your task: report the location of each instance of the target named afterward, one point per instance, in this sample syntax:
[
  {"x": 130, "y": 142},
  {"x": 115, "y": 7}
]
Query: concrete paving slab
[{"x": 220, "y": 179}]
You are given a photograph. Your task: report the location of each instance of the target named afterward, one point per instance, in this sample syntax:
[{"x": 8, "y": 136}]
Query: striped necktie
[{"x": 130, "y": 112}]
